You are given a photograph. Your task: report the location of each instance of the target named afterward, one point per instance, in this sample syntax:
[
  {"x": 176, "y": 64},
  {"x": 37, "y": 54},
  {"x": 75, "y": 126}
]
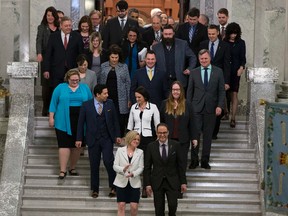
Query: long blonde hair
[
  {"x": 92, "y": 37},
  {"x": 170, "y": 104}
]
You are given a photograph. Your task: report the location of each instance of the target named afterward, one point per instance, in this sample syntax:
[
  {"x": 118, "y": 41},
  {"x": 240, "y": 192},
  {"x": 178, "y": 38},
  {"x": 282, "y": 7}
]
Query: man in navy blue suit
[
  {"x": 155, "y": 83},
  {"x": 62, "y": 50},
  {"x": 99, "y": 123}
]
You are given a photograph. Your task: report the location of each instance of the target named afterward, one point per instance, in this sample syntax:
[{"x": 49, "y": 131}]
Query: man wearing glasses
[
  {"x": 164, "y": 172},
  {"x": 117, "y": 27}
]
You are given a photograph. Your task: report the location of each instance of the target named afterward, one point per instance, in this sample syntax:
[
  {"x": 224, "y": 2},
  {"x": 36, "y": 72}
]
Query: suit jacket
[
  {"x": 58, "y": 60},
  {"x": 149, "y": 36},
  {"x": 156, "y": 169},
  {"x": 137, "y": 166},
  {"x": 186, "y": 129},
  {"x": 157, "y": 88},
  {"x": 87, "y": 120},
  {"x": 206, "y": 98},
  {"x": 183, "y": 55},
  {"x": 199, "y": 35},
  {"x": 143, "y": 126},
  {"x": 221, "y": 57},
  {"x": 43, "y": 34},
  {"x": 112, "y": 32},
  {"x": 123, "y": 83}
]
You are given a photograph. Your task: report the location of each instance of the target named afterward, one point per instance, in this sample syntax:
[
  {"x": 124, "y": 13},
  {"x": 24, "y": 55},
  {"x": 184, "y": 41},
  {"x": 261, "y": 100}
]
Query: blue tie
[
  {"x": 191, "y": 32},
  {"x": 205, "y": 77},
  {"x": 212, "y": 51}
]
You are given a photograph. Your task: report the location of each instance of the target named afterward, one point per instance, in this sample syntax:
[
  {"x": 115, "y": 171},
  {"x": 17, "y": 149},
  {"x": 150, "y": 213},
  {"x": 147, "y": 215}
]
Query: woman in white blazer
[
  {"x": 128, "y": 165},
  {"x": 143, "y": 118}
]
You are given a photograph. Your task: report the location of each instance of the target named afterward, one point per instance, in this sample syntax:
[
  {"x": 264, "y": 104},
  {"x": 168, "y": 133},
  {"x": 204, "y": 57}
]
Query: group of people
[{"x": 157, "y": 88}]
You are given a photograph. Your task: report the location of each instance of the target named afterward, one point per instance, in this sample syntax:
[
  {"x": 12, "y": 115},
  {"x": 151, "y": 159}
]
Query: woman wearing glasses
[{"x": 66, "y": 101}]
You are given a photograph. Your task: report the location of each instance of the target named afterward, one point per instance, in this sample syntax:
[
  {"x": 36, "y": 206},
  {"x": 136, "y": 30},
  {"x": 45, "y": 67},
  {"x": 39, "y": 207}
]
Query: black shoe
[
  {"x": 205, "y": 165},
  {"x": 62, "y": 176},
  {"x": 73, "y": 172},
  {"x": 94, "y": 194},
  {"x": 112, "y": 193},
  {"x": 194, "y": 164}
]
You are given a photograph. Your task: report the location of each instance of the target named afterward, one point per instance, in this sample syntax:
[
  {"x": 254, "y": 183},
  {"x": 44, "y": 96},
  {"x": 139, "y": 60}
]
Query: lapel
[
  {"x": 125, "y": 154},
  {"x": 170, "y": 150},
  {"x": 93, "y": 110},
  {"x": 135, "y": 155},
  {"x": 198, "y": 78},
  {"x": 217, "y": 51}
]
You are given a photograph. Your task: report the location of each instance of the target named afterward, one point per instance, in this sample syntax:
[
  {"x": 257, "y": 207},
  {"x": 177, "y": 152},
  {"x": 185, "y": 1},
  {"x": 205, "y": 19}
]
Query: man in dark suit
[
  {"x": 99, "y": 120},
  {"x": 62, "y": 50},
  {"x": 164, "y": 172},
  {"x": 96, "y": 19},
  {"x": 192, "y": 31},
  {"x": 220, "y": 57},
  {"x": 116, "y": 28},
  {"x": 174, "y": 56},
  {"x": 153, "y": 34},
  {"x": 152, "y": 79},
  {"x": 206, "y": 92}
]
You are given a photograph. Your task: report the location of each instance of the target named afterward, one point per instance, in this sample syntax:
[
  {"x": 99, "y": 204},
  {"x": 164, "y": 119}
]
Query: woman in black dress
[{"x": 238, "y": 61}]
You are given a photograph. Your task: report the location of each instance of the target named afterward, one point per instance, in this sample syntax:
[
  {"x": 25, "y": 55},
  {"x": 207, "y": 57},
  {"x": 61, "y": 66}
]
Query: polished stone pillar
[
  {"x": 19, "y": 135},
  {"x": 261, "y": 88}
]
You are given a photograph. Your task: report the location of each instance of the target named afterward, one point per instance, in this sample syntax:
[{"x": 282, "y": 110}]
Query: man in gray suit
[
  {"x": 174, "y": 56},
  {"x": 206, "y": 92}
]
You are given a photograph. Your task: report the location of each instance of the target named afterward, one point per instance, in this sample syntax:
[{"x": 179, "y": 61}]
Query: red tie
[{"x": 65, "y": 42}]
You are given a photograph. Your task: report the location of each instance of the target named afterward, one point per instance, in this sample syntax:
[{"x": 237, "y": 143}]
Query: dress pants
[
  {"x": 217, "y": 124},
  {"x": 104, "y": 145},
  {"x": 159, "y": 199},
  {"x": 205, "y": 122}
]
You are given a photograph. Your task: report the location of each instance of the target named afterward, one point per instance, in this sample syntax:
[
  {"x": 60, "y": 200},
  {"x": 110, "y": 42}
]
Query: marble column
[
  {"x": 261, "y": 88},
  {"x": 19, "y": 135}
]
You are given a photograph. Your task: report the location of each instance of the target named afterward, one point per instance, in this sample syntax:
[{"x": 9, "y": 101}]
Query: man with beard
[
  {"x": 177, "y": 65},
  {"x": 116, "y": 28}
]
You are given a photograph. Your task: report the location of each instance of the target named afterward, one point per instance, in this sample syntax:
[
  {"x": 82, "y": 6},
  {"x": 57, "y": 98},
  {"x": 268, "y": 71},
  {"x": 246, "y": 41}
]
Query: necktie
[
  {"x": 191, "y": 32},
  {"x": 65, "y": 42},
  {"x": 222, "y": 32},
  {"x": 205, "y": 77},
  {"x": 212, "y": 51},
  {"x": 100, "y": 109},
  {"x": 157, "y": 36},
  {"x": 164, "y": 153},
  {"x": 122, "y": 24},
  {"x": 150, "y": 74}
]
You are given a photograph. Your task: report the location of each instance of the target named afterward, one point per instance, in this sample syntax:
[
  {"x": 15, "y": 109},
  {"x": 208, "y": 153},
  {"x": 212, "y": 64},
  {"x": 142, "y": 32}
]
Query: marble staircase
[{"x": 231, "y": 187}]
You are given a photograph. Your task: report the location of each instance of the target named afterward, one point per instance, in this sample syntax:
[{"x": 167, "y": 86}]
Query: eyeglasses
[
  {"x": 176, "y": 89},
  {"x": 74, "y": 80},
  {"x": 162, "y": 133}
]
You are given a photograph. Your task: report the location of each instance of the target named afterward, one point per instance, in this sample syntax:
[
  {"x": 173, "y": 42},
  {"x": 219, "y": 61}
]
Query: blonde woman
[
  {"x": 96, "y": 55},
  {"x": 128, "y": 164}
]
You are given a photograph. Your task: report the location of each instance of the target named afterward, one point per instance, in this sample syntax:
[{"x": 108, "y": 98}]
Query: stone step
[
  {"x": 215, "y": 151},
  {"x": 90, "y": 211},
  {"x": 43, "y": 121},
  {"x": 61, "y": 189},
  {"x": 34, "y": 169},
  {"x": 219, "y": 143},
  {"x": 43, "y": 131},
  {"x": 184, "y": 203},
  {"x": 47, "y": 159},
  {"x": 84, "y": 180}
]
